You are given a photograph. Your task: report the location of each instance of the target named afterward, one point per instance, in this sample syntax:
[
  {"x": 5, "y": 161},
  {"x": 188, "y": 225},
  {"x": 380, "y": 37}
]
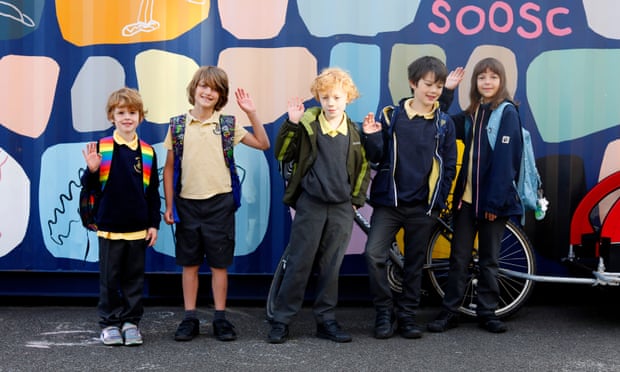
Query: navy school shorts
[{"x": 206, "y": 229}]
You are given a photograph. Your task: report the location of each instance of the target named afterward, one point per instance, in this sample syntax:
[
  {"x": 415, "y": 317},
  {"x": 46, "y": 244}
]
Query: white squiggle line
[{"x": 23, "y": 19}]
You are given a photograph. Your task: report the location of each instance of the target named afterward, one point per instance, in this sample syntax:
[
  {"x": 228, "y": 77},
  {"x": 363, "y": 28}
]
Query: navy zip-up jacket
[
  {"x": 381, "y": 148},
  {"x": 494, "y": 172}
]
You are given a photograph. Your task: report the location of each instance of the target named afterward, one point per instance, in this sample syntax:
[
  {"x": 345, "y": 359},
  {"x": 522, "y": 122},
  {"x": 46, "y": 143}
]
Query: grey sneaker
[
  {"x": 131, "y": 335},
  {"x": 111, "y": 336}
]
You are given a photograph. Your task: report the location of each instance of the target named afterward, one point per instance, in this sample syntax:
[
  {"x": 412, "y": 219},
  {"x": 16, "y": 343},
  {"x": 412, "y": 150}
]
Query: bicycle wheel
[
  {"x": 274, "y": 288},
  {"x": 516, "y": 254}
]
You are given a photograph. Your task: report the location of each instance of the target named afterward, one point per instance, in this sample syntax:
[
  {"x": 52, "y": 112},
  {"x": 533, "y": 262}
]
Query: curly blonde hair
[{"x": 331, "y": 78}]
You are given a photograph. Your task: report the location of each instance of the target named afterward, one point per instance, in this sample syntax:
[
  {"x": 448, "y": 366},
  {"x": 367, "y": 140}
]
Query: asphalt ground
[{"x": 560, "y": 329}]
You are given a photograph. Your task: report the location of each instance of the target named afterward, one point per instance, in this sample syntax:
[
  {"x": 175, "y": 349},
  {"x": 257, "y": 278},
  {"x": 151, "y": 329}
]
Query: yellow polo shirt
[
  {"x": 205, "y": 173},
  {"x": 411, "y": 113},
  {"x": 328, "y": 130}
]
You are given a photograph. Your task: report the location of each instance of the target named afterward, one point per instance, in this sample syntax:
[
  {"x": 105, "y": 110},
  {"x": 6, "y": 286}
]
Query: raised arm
[{"x": 258, "y": 139}]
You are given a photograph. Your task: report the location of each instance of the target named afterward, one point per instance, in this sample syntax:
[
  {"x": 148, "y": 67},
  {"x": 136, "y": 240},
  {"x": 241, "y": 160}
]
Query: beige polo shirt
[{"x": 205, "y": 173}]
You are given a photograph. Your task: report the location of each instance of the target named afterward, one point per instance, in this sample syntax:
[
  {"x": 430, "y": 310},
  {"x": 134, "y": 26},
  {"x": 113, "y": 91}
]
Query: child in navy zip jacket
[
  {"x": 415, "y": 148},
  {"x": 485, "y": 196},
  {"x": 127, "y": 219}
]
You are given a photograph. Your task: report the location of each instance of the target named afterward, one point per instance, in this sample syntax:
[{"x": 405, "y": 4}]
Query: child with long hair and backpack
[
  {"x": 485, "y": 196},
  {"x": 203, "y": 191}
]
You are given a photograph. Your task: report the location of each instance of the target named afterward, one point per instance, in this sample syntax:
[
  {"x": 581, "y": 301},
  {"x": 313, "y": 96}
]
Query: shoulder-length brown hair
[
  {"x": 215, "y": 78},
  {"x": 475, "y": 97}
]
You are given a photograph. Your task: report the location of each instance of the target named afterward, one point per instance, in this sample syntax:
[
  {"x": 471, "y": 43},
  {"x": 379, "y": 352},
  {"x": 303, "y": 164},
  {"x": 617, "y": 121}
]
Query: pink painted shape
[
  {"x": 611, "y": 225},
  {"x": 271, "y": 76},
  {"x": 251, "y": 19},
  {"x": 609, "y": 165},
  {"x": 27, "y": 94}
]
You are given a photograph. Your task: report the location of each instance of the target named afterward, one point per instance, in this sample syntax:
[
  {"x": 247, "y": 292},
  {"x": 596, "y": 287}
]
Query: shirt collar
[
  {"x": 133, "y": 144},
  {"x": 214, "y": 119},
  {"x": 411, "y": 113},
  {"x": 327, "y": 129}
]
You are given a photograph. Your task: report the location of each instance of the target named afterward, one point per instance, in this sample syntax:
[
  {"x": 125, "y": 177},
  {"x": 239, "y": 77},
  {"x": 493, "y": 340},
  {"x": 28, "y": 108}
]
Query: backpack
[
  {"x": 529, "y": 184},
  {"x": 90, "y": 197},
  {"x": 227, "y": 130}
]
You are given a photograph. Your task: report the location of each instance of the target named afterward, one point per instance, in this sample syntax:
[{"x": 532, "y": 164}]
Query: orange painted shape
[
  {"x": 90, "y": 22},
  {"x": 29, "y": 85}
]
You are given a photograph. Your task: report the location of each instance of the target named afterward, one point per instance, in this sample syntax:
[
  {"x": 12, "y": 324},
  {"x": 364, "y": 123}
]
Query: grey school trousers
[{"x": 320, "y": 233}]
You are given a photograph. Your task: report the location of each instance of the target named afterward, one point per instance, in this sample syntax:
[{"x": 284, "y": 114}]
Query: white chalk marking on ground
[{"x": 83, "y": 338}]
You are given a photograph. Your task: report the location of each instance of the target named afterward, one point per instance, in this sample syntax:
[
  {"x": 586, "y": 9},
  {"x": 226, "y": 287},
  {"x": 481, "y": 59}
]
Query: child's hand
[
  {"x": 369, "y": 125},
  {"x": 244, "y": 101},
  {"x": 92, "y": 157},
  {"x": 454, "y": 78},
  {"x": 295, "y": 109},
  {"x": 168, "y": 218},
  {"x": 151, "y": 236}
]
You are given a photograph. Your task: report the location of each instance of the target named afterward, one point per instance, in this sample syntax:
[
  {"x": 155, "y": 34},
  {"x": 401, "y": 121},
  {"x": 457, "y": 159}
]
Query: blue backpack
[{"x": 529, "y": 184}]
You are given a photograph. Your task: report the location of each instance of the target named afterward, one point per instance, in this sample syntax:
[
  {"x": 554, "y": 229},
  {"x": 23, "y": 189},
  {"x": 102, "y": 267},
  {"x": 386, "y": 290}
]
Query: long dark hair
[{"x": 475, "y": 97}]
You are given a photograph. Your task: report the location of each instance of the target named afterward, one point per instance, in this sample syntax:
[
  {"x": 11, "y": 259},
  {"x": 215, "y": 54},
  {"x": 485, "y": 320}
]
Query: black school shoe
[
  {"x": 408, "y": 328},
  {"x": 224, "y": 330},
  {"x": 278, "y": 333},
  {"x": 492, "y": 325},
  {"x": 187, "y": 330},
  {"x": 384, "y": 324},
  {"x": 444, "y": 321},
  {"x": 330, "y": 329}
]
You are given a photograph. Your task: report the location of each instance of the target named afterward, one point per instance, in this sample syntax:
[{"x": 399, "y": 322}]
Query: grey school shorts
[{"x": 206, "y": 229}]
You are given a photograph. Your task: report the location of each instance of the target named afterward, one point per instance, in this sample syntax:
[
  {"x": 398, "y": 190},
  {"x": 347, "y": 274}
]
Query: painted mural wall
[{"x": 59, "y": 60}]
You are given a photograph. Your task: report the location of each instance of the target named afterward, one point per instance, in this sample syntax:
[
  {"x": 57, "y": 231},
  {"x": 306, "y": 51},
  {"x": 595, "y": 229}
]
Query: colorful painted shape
[
  {"x": 91, "y": 22},
  {"x": 325, "y": 18},
  {"x": 27, "y": 94},
  {"x": 59, "y": 190},
  {"x": 602, "y": 17},
  {"x": 573, "y": 93},
  {"x": 19, "y": 18},
  {"x": 251, "y": 19},
  {"x": 291, "y": 70},
  {"x": 96, "y": 80},
  {"x": 164, "y": 94},
  {"x": 363, "y": 62},
  {"x": 609, "y": 165},
  {"x": 14, "y": 203}
]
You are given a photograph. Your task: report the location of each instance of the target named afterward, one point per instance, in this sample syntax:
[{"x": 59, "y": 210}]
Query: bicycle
[{"x": 516, "y": 260}]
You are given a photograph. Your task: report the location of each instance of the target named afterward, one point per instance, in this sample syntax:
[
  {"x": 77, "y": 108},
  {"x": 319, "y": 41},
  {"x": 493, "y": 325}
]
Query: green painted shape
[{"x": 574, "y": 93}]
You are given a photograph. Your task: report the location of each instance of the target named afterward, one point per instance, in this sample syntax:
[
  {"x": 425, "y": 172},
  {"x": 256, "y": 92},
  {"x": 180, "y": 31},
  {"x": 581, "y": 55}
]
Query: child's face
[
  {"x": 488, "y": 84},
  {"x": 427, "y": 90},
  {"x": 333, "y": 102},
  {"x": 205, "y": 97},
  {"x": 125, "y": 119}
]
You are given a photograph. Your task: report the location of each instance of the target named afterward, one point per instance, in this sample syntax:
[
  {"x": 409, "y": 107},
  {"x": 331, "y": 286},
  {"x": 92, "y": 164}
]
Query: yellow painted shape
[
  {"x": 27, "y": 94},
  {"x": 162, "y": 82},
  {"x": 91, "y": 22}
]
